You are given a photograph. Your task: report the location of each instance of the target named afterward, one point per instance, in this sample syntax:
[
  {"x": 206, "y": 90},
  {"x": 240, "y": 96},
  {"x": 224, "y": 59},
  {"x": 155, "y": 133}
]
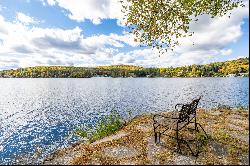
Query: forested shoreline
[{"x": 239, "y": 67}]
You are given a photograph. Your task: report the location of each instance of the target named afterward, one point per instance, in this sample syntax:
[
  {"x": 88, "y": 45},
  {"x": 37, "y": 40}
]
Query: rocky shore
[{"x": 228, "y": 143}]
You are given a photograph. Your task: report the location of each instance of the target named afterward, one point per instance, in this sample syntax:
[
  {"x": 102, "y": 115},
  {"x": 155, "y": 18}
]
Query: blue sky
[{"x": 90, "y": 33}]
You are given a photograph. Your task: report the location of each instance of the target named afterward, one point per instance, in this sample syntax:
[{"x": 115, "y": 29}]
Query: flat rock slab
[
  {"x": 184, "y": 160},
  {"x": 127, "y": 163},
  {"x": 238, "y": 122},
  {"x": 234, "y": 127},
  {"x": 219, "y": 149},
  {"x": 147, "y": 127},
  {"x": 238, "y": 119},
  {"x": 235, "y": 116},
  {"x": 244, "y": 138},
  {"x": 120, "y": 152},
  {"x": 94, "y": 162},
  {"x": 153, "y": 149},
  {"x": 111, "y": 138},
  {"x": 62, "y": 160},
  {"x": 64, "y": 156},
  {"x": 245, "y": 159},
  {"x": 215, "y": 113},
  {"x": 208, "y": 129},
  {"x": 240, "y": 137}
]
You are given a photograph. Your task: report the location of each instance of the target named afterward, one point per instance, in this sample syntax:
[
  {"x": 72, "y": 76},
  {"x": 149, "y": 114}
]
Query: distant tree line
[{"x": 217, "y": 69}]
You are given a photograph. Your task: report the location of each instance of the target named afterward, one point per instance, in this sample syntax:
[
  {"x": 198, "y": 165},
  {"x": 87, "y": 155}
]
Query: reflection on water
[{"x": 37, "y": 115}]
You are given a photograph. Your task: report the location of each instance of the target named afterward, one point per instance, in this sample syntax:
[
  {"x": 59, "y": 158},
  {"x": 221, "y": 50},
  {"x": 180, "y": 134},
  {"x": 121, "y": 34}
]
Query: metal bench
[{"x": 181, "y": 117}]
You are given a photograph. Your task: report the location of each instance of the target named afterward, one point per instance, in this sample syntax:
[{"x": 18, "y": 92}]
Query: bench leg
[
  {"x": 195, "y": 124},
  {"x": 203, "y": 130},
  {"x": 157, "y": 138},
  {"x": 178, "y": 142}
]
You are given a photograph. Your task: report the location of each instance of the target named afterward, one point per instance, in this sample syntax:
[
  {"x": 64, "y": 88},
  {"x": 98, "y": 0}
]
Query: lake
[{"x": 38, "y": 115}]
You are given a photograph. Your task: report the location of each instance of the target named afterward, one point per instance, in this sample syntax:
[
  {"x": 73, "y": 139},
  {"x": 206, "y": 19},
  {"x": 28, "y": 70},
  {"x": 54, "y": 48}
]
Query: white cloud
[
  {"x": 25, "y": 19},
  {"x": 51, "y": 2},
  {"x": 95, "y": 10},
  {"x": 209, "y": 42},
  {"x": 226, "y": 52},
  {"x": 235, "y": 58},
  {"x": 3, "y": 28},
  {"x": 43, "y": 2},
  {"x": 22, "y": 45}
]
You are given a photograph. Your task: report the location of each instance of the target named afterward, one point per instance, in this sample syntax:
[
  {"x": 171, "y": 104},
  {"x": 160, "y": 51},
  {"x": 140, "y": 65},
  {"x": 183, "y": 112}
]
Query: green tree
[{"x": 159, "y": 23}]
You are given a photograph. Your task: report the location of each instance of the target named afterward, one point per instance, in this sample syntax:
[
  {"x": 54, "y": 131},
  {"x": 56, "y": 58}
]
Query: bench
[{"x": 183, "y": 115}]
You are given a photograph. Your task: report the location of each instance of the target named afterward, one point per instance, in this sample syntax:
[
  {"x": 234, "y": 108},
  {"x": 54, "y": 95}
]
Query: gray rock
[
  {"x": 120, "y": 152},
  {"x": 184, "y": 160},
  {"x": 153, "y": 149},
  {"x": 245, "y": 159},
  {"x": 241, "y": 137},
  {"x": 146, "y": 127},
  {"x": 219, "y": 149},
  {"x": 111, "y": 138},
  {"x": 215, "y": 113},
  {"x": 234, "y": 127}
]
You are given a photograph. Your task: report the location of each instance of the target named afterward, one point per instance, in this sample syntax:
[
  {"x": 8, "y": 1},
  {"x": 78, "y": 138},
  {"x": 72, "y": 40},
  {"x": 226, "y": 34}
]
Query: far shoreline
[
  {"x": 232, "y": 68},
  {"x": 128, "y": 77}
]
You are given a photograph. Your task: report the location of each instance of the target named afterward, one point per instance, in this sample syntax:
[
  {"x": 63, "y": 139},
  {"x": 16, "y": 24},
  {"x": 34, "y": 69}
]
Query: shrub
[{"x": 107, "y": 125}]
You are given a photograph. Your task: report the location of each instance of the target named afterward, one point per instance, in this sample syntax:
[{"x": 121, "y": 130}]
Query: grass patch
[{"x": 107, "y": 125}]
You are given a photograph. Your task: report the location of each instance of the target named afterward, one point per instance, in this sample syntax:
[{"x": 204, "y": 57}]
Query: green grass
[{"x": 107, "y": 125}]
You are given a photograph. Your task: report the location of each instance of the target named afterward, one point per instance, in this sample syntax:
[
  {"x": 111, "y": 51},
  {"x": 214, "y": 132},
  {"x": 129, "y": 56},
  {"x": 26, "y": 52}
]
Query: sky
[{"x": 91, "y": 33}]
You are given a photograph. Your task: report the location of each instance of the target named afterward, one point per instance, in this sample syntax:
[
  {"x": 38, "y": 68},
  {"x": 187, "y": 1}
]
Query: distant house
[
  {"x": 238, "y": 75},
  {"x": 231, "y": 75},
  {"x": 243, "y": 74},
  {"x": 149, "y": 76}
]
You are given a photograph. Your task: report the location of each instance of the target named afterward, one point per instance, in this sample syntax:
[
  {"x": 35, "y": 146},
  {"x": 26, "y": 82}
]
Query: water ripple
[{"x": 38, "y": 115}]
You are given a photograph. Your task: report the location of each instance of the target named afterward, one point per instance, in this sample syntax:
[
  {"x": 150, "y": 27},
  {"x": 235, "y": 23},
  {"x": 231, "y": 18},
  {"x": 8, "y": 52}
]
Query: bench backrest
[
  {"x": 193, "y": 106},
  {"x": 187, "y": 110},
  {"x": 184, "y": 113}
]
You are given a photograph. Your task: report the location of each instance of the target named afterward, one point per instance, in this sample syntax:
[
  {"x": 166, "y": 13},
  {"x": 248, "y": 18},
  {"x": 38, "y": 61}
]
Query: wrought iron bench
[{"x": 183, "y": 115}]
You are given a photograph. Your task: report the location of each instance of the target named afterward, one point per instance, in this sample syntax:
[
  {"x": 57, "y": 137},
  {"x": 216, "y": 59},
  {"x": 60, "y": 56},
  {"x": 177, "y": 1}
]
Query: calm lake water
[{"x": 37, "y": 116}]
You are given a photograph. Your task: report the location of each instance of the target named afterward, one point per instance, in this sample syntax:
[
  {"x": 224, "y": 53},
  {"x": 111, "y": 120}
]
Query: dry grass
[{"x": 226, "y": 144}]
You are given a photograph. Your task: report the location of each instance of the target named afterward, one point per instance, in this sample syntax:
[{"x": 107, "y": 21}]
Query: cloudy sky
[{"x": 90, "y": 33}]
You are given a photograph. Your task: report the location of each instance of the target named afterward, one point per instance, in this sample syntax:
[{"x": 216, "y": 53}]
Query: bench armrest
[{"x": 178, "y": 105}]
